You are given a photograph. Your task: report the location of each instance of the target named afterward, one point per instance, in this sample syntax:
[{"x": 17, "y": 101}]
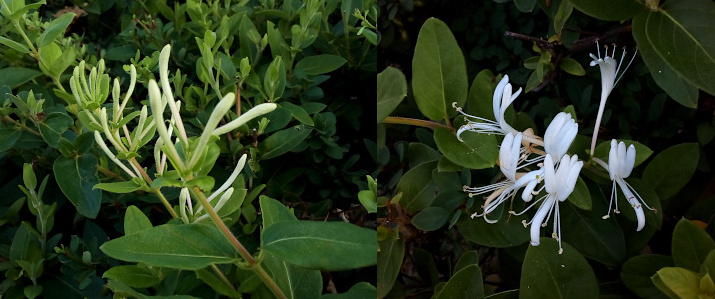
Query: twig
[{"x": 415, "y": 122}]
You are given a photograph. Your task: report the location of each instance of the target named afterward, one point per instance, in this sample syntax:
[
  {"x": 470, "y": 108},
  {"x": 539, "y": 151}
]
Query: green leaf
[
  {"x": 682, "y": 34},
  {"x": 481, "y": 92},
  {"x": 637, "y": 272},
  {"x": 391, "y": 89},
  {"x": 668, "y": 79},
  {"x": 28, "y": 176},
  {"x": 186, "y": 246},
  {"x": 417, "y": 187},
  {"x": 319, "y": 64},
  {"x": 571, "y": 66},
  {"x": 32, "y": 291},
  {"x": 321, "y": 245},
  {"x": 525, "y": 5},
  {"x": 677, "y": 281},
  {"x": 465, "y": 283},
  {"x": 274, "y": 211},
  {"x": 294, "y": 281},
  {"x": 642, "y": 152},
  {"x": 298, "y": 113},
  {"x": 14, "y": 45},
  {"x": 360, "y": 290},
  {"x": 369, "y": 200},
  {"x": 205, "y": 183},
  {"x": 274, "y": 81},
  {"x": 508, "y": 232},
  {"x": 8, "y": 137},
  {"x": 439, "y": 73},
  {"x": 478, "y": 151},
  {"x": 283, "y": 141},
  {"x": 53, "y": 126},
  {"x": 133, "y": 276},
  {"x": 431, "y": 218},
  {"x": 277, "y": 43},
  {"x": 217, "y": 284},
  {"x": 609, "y": 10},
  {"x": 16, "y": 76},
  {"x": 691, "y": 245},
  {"x": 580, "y": 196},
  {"x": 76, "y": 177},
  {"x": 596, "y": 238},
  {"x": 55, "y": 29},
  {"x": 389, "y": 259},
  {"x": 670, "y": 170},
  {"x": 562, "y": 15},
  {"x": 135, "y": 221},
  {"x": 548, "y": 274},
  {"x": 119, "y": 187}
]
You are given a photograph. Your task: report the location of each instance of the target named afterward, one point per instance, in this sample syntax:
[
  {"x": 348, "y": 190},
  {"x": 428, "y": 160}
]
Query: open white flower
[
  {"x": 503, "y": 97},
  {"x": 610, "y": 69},
  {"x": 510, "y": 155},
  {"x": 620, "y": 165},
  {"x": 559, "y": 184},
  {"x": 559, "y": 135}
]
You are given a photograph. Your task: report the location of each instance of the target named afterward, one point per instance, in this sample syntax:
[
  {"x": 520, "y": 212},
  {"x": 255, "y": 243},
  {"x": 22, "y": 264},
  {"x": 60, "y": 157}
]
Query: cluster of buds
[{"x": 91, "y": 95}]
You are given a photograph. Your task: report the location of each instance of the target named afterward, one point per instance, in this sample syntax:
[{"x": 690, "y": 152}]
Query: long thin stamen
[
  {"x": 529, "y": 207},
  {"x": 625, "y": 69}
]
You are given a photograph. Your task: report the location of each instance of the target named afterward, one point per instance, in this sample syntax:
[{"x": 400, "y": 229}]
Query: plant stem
[
  {"x": 24, "y": 36},
  {"x": 415, "y": 122},
  {"x": 222, "y": 277},
  {"x": 166, "y": 203},
  {"x": 21, "y": 125},
  {"x": 239, "y": 247},
  {"x": 110, "y": 173}
]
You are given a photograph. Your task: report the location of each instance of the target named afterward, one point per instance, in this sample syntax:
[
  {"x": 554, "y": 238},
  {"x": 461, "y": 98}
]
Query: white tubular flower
[
  {"x": 226, "y": 186},
  {"x": 245, "y": 117},
  {"x": 610, "y": 69},
  {"x": 620, "y": 165},
  {"x": 559, "y": 184},
  {"x": 509, "y": 158},
  {"x": 559, "y": 135},
  {"x": 501, "y": 101}
]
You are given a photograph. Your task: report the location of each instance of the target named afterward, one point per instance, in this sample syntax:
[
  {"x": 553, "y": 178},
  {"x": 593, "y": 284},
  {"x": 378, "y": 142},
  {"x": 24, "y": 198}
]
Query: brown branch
[{"x": 415, "y": 122}]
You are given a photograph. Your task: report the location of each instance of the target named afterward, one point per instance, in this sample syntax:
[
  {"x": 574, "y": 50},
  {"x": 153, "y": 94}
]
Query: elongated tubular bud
[
  {"x": 155, "y": 100},
  {"x": 244, "y": 118},
  {"x": 166, "y": 89},
  {"x": 103, "y": 146},
  {"x": 223, "y": 106}
]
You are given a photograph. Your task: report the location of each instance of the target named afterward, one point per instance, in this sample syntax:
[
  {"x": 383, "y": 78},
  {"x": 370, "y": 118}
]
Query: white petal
[
  {"x": 570, "y": 181},
  {"x": 535, "y": 229},
  {"x": 496, "y": 100},
  {"x": 526, "y": 195},
  {"x": 549, "y": 175},
  {"x": 613, "y": 160},
  {"x": 554, "y": 127},
  {"x": 630, "y": 161},
  {"x": 633, "y": 201}
]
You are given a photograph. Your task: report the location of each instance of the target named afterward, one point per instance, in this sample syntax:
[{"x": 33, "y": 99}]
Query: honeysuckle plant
[{"x": 500, "y": 168}]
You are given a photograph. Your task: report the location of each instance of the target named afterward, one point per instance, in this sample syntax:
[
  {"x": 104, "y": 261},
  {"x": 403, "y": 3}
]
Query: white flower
[
  {"x": 620, "y": 165},
  {"x": 559, "y": 184},
  {"x": 610, "y": 69},
  {"x": 510, "y": 154},
  {"x": 559, "y": 135},
  {"x": 501, "y": 101}
]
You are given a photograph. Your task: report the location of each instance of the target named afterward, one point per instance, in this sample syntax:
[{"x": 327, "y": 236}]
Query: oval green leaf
[
  {"x": 391, "y": 89},
  {"x": 681, "y": 32},
  {"x": 417, "y": 187},
  {"x": 56, "y": 28},
  {"x": 186, "y": 247},
  {"x": 691, "y": 245},
  {"x": 439, "y": 73},
  {"x": 283, "y": 141},
  {"x": 609, "y": 10},
  {"x": 637, "y": 272},
  {"x": 321, "y": 245},
  {"x": 669, "y": 80},
  {"x": 478, "y": 151},
  {"x": 319, "y": 64},
  {"x": 389, "y": 259},
  {"x": 671, "y": 169},
  {"x": 430, "y": 219},
  {"x": 466, "y": 283},
  {"x": 548, "y": 274},
  {"x": 76, "y": 178},
  {"x": 135, "y": 220}
]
